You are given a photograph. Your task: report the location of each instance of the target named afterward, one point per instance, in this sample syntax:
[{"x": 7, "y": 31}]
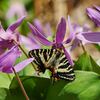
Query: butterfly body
[{"x": 55, "y": 61}]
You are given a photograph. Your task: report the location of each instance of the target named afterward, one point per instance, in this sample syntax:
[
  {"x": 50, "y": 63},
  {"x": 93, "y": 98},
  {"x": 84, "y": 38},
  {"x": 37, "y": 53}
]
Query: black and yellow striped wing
[{"x": 55, "y": 61}]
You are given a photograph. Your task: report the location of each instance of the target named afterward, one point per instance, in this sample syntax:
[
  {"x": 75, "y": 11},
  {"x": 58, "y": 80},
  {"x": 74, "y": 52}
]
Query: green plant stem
[
  {"x": 25, "y": 54},
  {"x": 20, "y": 84},
  {"x": 9, "y": 77}
]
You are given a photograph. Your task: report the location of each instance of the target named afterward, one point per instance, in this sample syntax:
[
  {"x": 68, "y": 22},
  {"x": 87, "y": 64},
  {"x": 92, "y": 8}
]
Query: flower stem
[
  {"x": 20, "y": 84},
  {"x": 82, "y": 46},
  {"x": 23, "y": 51},
  {"x": 25, "y": 54}
]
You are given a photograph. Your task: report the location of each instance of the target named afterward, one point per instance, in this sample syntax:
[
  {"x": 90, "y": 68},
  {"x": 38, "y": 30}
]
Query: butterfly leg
[{"x": 54, "y": 76}]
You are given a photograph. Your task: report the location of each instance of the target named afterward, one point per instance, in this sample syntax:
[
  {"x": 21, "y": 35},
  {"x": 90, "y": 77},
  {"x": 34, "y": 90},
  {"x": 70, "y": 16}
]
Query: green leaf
[
  {"x": 46, "y": 74},
  {"x": 97, "y": 46},
  {"x": 86, "y": 86},
  {"x": 98, "y": 62},
  {"x": 3, "y": 93},
  {"x": 86, "y": 62},
  {"x": 5, "y": 80},
  {"x": 35, "y": 87}
]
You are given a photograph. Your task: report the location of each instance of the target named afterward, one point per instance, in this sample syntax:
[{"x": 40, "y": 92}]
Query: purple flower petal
[
  {"x": 20, "y": 66},
  {"x": 23, "y": 64},
  {"x": 69, "y": 25},
  {"x": 29, "y": 44},
  {"x": 77, "y": 28},
  {"x": 97, "y": 7},
  {"x": 92, "y": 37},
  {"x": 94, "y": 15},
  {"x": 61, "y": 30},
  {"x": 3, "y": 34},
  {"x": 4, "y": 44},
  {"x": 72, "y": 34},
  {"x": 16, "y": 9},
  {"x": 13, "y": 26},
  {"x": 86, "y": 28},
  {"x": 43, "y": 29},
  {"x": 48, "y": 30},
  {"x": 1, "y": 29},
  {"x": 38, "y": 26},
  {"x": 30, "y": 36},
  {"x": 39, "y": 36},
  {"x": 8, "y": 58},
  {"x": 2, "y": 50},
  {"x": 16, "y": 36},
  {"x": 75, "y": 43},
  {"x": 6, "y": 69},
  {"x": 68, "y": 56}
]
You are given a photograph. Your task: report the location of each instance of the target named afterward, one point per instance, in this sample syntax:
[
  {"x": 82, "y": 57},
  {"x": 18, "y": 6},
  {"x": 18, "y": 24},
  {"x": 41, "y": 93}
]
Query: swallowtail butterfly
[{"x": 55, "y": 61}]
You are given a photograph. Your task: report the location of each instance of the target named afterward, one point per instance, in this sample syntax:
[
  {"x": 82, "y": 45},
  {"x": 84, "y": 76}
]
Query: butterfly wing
[
  {"x": 38, "y": 54},
  {"x": 54, "y": 60}
]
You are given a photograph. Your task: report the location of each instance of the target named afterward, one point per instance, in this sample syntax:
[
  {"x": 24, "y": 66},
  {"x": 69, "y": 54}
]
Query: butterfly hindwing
[{"x": 55, "y": 61}]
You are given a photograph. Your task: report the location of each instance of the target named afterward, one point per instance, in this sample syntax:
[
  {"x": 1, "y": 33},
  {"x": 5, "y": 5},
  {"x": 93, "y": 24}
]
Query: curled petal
[
  {"x": 92, "y": 37},
  {"x": 44, "y": 30},
  {"x": 72, "y": 34},
  {"x": 61, "y": 30},
  {"x": 94, "y": 15},
  {"x": 38, "y": 25},
  {"x": 23, "y": 64},
  {"x": 13, "y": 26},
  {"x": 97, "y": 7},
  {"x": 39, "y": 36},
  {"x": 68, "y": 56},
  {"x": 20, "y": 66},
  {"x": 8, "y": 58}
]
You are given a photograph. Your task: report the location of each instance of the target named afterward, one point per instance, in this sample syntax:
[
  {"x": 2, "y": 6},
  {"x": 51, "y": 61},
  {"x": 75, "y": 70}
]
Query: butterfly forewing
[{"x": 55, "y": 61}]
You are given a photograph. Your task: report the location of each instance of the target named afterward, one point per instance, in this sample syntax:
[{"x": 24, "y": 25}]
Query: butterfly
[{"x": 54, "y": 60}]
